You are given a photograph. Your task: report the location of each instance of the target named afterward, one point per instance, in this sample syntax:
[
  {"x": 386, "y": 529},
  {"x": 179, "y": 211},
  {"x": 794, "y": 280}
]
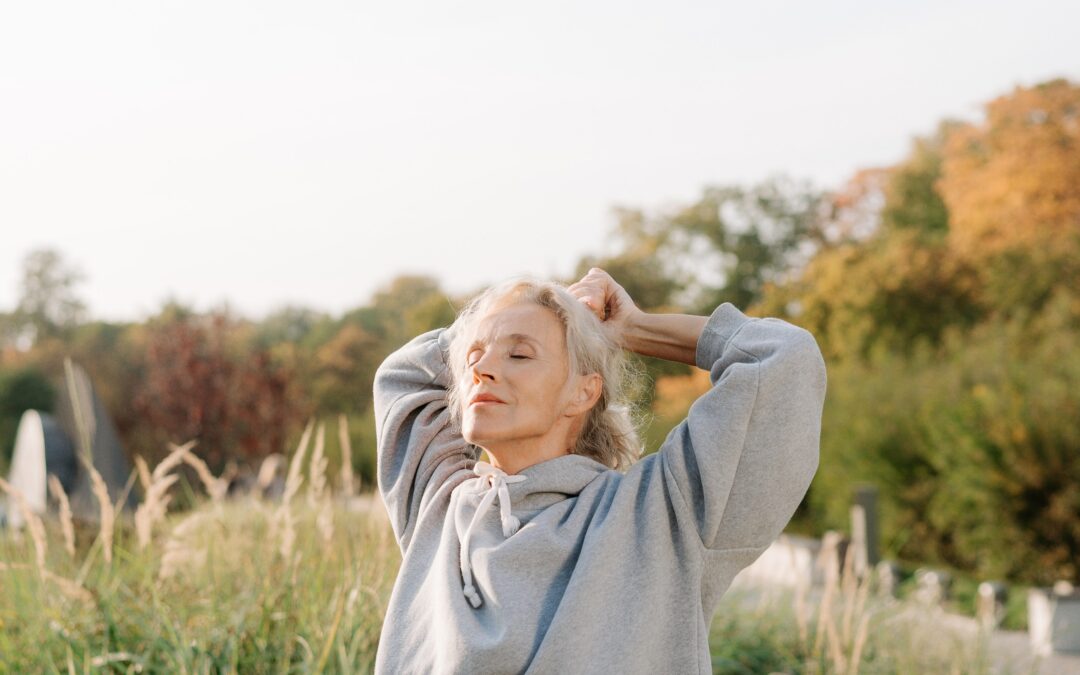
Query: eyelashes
[{"x": 470, "y": 362}]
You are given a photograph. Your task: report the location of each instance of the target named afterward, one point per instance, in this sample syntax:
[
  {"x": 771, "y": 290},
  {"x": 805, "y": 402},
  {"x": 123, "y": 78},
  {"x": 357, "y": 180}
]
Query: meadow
[{"x": 300, "y": 584}]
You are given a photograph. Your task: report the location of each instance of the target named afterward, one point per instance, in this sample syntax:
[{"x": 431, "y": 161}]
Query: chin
[{"x": 480, "y": 437}]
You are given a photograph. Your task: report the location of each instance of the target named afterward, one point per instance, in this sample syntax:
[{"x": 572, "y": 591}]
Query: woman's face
[{"x": 517, "y": 356}]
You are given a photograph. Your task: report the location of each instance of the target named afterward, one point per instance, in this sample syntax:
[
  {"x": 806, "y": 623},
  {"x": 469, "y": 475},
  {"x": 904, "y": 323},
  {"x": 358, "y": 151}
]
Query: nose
[{"x": 483, "y": 368}]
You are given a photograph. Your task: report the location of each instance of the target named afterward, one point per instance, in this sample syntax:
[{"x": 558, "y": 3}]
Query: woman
[{"x": 591, "y": 562}]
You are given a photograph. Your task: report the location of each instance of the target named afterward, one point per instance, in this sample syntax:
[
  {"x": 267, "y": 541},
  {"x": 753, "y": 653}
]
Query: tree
[
  {"x": 407, "y": 306},
  {"x": 1014, "y": 180},
  {"x": 345, "y": 371},
  {"x": 637, "y": 264},
  {"x": 202, "y": 380},
  {"x": 890, "y": 292},
  {"x": 735, "y": 240},
  {"x": 853, "y": 213},
  {"x": 48, "y": 305},
  {"x": 289, "y": 324},
  {"x": 912, "y": 199},
  {"x": 724, "y": 247}
]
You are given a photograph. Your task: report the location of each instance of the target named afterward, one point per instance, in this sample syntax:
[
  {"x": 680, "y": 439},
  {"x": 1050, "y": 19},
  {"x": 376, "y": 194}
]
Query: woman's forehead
[{"x": 521, "y": 321}]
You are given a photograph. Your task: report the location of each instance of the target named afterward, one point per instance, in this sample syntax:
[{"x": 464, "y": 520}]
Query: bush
[
  {"x": 973, "y": 445},
  {"x": 20, "y": 390}
]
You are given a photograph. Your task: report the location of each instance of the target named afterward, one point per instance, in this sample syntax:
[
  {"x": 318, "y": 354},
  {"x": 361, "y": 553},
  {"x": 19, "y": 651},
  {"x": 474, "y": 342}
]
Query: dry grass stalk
[
  {"x": 317, "y": 497},
  {"x": 860, "y": 641},
  {"x": 172, "y": 460},
  {"x": 317, "y": 469},
  {"x": 215, "y": 487},
  {"x": 33, "y": 522},
  {"x": 827, "y": 559},
  {"x": 347, "y": 487},
  {"x": 108, "y": 513},
  {"x": 14, "y": 566},
  {"x": 66, "y": 524},
  {"x": 287, "y": 530},
  {"x": 179, "y": 553},
  {"x": 295, "y": 477},
  {"x": 844, "y": 648},
  {"x": 267, "y": 471},
  {"x": 156, "y": 486},
  {"x": 848, "y": 582},
  {"x": 153, "y": 508},
  {"x": 324, "y": 522},
  {"x": 835, "y": 649},
  {"x": 144, "y": 473},
  {"x": 68, "y": 587}
]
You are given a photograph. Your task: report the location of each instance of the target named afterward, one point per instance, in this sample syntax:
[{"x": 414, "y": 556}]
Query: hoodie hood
[
  {"x": 533, "y": 488},
  {"x": 553, "y": 480}
]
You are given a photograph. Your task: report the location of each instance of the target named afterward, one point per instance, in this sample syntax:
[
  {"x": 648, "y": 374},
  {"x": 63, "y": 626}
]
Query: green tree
[
  {"x": 345, "y": 371},
  {"x": 726, "y": 246},
  {"x": 912, "y": 198},
  {"x": 48, "y": 304}
]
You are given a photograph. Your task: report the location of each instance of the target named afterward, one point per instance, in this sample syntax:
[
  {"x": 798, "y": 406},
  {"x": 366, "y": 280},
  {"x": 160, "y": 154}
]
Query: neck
[{"x": 516, "y": 455}]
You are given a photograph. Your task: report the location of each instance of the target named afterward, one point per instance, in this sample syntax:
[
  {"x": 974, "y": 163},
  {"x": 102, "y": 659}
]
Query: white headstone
[{"x": 28, "y": 472}]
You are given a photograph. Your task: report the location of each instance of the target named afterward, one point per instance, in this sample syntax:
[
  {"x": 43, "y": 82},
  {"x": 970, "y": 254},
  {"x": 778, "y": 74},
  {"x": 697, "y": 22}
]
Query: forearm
[{"x": 672, "y": 337}]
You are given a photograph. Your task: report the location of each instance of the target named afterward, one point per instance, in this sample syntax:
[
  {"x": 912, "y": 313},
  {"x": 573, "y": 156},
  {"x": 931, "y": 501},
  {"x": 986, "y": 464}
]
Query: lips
[{"x": 485, "y": 399}]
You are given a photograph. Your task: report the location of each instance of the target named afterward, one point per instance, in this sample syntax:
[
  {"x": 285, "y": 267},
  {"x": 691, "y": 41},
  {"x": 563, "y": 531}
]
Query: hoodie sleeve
[
  {"x": 737, "y": 467},
  {"x": 418, "y": 448}
]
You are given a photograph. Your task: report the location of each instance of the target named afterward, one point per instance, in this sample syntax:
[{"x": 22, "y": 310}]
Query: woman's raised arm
[
  {"x": 736, "y": 468},
  {"x": 418, "y": 448}
]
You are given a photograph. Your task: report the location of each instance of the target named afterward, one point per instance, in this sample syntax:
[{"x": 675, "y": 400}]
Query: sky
[{"x": 262, "y": 154}]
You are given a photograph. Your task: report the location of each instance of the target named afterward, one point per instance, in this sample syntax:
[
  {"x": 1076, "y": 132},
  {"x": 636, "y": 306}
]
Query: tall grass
[
  {"x": 208, "y": 590},
  {"x": 844, "y": 628},
  {"x": 302, "y": 584}
]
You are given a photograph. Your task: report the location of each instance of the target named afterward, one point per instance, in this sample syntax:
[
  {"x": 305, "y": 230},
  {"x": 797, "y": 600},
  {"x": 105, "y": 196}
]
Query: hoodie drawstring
[{"x": 497, "y": 480}]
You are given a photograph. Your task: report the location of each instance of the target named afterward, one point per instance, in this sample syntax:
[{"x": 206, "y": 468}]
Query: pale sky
[{"x": 267, "y": 153}]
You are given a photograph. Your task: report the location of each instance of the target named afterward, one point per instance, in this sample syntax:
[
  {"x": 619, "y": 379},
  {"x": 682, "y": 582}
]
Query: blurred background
[{"x": 230, "y": 213}]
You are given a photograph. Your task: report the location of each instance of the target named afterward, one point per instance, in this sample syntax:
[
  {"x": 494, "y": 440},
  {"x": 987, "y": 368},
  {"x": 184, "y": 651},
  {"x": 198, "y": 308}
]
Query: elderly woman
[{"x": 593, "y": 560}]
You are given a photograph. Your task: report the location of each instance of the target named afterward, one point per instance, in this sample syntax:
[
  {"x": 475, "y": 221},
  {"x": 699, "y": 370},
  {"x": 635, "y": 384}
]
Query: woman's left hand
[{"x": 607, "y": 300}]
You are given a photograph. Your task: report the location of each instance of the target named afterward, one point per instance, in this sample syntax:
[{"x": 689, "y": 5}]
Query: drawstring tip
[
  {"x": 511, "y": 526},
  {"x": 473, "y": 596}
]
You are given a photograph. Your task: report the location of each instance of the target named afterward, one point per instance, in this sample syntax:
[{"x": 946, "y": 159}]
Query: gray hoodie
[{"x": 579, "y": 568}]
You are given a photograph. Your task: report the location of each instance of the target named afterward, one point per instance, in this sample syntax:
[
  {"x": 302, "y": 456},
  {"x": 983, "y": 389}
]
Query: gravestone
[
  {"x": 888, "y": 578},
  {"x": 1054, "y": 619},
  {"x": 41, "y": 447},
  {"x": 864, "y": 530},
  {"x": 932, "y": 586},
  {"x": 80, "y": 432},
  {"x": 990, "y": 605}
]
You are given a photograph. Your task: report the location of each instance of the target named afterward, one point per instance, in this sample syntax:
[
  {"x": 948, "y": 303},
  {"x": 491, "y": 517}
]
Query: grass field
[{"x": 301, "y": 585}]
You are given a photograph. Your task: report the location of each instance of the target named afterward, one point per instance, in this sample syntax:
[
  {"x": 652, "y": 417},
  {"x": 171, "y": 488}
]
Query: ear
[{"x": 586, "y": 395}]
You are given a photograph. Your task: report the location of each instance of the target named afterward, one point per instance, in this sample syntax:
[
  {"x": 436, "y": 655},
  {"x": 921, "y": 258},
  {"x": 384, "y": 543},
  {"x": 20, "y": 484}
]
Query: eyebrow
[{"x": 513, "y": 337}]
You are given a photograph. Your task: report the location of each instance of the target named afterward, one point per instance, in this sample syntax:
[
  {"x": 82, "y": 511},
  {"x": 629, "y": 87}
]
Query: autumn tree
[
  {"x": 1014, "y": 179},
  {"x": 200, "y": 382}
]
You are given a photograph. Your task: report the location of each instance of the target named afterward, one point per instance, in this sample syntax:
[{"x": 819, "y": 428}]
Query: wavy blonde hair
[{"x": 609, "y": 434}]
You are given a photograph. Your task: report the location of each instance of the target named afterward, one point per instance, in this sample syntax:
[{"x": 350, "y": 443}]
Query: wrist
[{"x": 634, "y": 330}]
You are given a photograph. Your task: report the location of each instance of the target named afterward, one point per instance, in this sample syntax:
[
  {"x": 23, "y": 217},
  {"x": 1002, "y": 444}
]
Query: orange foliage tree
[{"x": 1014, "y": 179}]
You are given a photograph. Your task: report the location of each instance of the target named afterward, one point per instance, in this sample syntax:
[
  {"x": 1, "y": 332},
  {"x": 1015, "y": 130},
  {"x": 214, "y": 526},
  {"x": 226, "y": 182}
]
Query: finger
[
  {"x": 595, "y": 306},
  {"x": 592, "y": 298}
]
